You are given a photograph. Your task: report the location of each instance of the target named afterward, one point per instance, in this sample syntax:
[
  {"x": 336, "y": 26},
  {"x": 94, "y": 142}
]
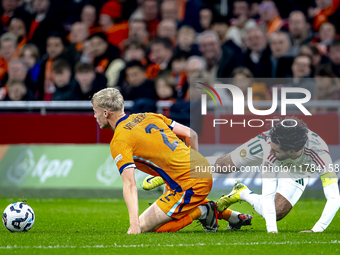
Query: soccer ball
[{"x": 18, "y": 217}]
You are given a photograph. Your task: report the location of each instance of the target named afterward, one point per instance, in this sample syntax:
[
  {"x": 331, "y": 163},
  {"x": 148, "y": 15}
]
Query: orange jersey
[{"x": 146, "y": 141}]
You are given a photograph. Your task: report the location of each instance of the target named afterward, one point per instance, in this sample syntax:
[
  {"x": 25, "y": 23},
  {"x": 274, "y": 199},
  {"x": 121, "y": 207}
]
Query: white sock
[
  {"x": 253, "y": 199},
  {"x": 234, "y": 217},
  {"x": 204, "y": 212}
]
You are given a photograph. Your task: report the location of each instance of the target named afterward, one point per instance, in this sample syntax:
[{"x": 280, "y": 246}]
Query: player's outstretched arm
[
  {"x": 226, "y": 163},
  {"x": 186, "y": 133},
  {"x": 131, "y": 199},
  {"x": 331, "y": 190}
]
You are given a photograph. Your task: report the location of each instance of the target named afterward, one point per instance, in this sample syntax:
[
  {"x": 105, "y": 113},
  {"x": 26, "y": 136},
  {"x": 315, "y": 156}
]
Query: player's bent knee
[
  {"x": 152, "y": 218},
  {"x": 282, "y": 206}
]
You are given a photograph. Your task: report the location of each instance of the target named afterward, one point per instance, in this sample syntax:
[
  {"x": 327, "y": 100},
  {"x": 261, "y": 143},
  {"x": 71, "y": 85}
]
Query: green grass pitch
[{"x": 98, "y": 226}]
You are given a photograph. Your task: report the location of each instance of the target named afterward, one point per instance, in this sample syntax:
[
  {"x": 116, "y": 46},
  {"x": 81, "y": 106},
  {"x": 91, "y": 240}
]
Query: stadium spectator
[
  {"x": 8, "y": 45},
  {"x": 327, "y": 84},
  {"x": 169, "y": 10},
  {"x": 179, "y": 64},
  {"x": 148, "y": 11},
  {"x": 313, "y": 52},
  {"x": 87, "y": 54},
  {"x": 240, "y": 23},
  {"x": 326, "y": 35},
  {"x": 64, "y": 84},
  {"x": 220, "y": 26},
  {"x": 135, "y": 51},
  {"x": 18, "y": 28},
  {"x": 160, "y": 56},
  {"x": 179, "y": 69},
  {"x": 89, "y": 17},
  {"x": 270, "y": 19},
  {"x": 243, "y": 78},
  {"x": 220, "y": 60},
  {"x": 186, "y": 41},
  {"x": 30, "y": 54},
  {"x": 103, "y": 52},
  {"x": 299, "y": 30},
  {"x": 165, "y": 86},
  {"x": 257, "y": 58},
  {"x": 89, "y": 82},
  {"x": 17, "y": 91},
  {"x": 255, "y": 10},
  {"x": 167, "y": 28},
  {"x": 137, "y": 32},
  {"x": 110, "y": 19},
  {"x": 41, "y": 73},
  {"x": 279, "y": 44},
  {"x": 197, "y": 69},
  {"x": 302, "y": 70},
  {"x": 281, "y": 49},
  {"x": 17, "y": 69},
  {"x": 322, "y": 11},
  {"x": 79, "y": 33},
  {"x": 42, "y": 24},
  {"x": 302, "y": 67},
  {"x": 106, "y": 58},
  {"x": 138, "y": 86},
  {"x": 8, "y": 8},
  {"x": 327, "y": 87},
  {"x": 334, "y": 55},
  {"x": 206, "y": 17}
]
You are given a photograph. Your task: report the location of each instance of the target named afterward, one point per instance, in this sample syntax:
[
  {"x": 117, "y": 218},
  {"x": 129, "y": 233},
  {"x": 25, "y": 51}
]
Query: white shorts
[{"x": 291, "y": 189}]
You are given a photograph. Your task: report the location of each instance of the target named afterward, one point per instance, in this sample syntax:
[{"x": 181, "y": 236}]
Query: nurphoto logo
[{"x": 239, "y": 103}]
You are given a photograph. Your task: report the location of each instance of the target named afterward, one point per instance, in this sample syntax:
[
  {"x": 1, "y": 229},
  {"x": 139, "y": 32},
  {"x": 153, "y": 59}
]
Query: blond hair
[{"x": 109, "y": 98}]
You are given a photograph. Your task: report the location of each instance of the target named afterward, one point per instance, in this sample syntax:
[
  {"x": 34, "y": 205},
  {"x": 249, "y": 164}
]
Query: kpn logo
[{"x": 238, "y": 100}]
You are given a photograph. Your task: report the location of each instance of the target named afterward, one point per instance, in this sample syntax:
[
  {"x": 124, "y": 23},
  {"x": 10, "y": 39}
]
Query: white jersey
[
  {"x": 256, "y": 152},
  {"x": 315, "y": 158}
]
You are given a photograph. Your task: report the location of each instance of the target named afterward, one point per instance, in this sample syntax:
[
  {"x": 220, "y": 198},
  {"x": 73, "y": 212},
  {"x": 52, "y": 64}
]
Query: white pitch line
[{"x": 9, "y": 247}]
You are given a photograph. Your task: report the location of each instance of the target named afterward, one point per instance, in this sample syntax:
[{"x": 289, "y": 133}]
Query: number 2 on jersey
[{"x": 172, "y": 146}]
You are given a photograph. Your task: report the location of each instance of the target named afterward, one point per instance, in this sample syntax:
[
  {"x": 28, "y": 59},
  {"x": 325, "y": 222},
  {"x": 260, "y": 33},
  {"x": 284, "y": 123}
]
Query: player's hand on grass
[
  {"x": 307, "y": 231},
  {"x": 134, "y": 230}
]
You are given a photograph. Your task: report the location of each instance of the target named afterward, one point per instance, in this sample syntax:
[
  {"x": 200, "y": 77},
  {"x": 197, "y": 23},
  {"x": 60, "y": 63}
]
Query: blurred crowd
[{"x": 151, "y": 49}]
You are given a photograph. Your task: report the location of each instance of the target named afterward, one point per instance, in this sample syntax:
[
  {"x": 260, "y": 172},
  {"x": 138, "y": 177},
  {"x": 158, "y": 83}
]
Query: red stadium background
[{"x": 83, "y": 129}]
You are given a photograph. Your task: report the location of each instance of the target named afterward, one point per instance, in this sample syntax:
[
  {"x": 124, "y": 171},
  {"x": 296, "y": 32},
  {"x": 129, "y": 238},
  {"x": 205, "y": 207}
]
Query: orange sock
[
  {"x": 225, "y": 215},
  {"x": 175, "y": 225},
  {"x": 195, "y": 214}
]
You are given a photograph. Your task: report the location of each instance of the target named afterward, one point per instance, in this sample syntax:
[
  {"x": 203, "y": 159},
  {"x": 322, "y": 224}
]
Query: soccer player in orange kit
[{"x": 151, "y": 143}]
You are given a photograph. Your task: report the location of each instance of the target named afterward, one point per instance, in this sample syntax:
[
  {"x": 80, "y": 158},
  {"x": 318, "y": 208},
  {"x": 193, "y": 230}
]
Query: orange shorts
[{"x": 177, "y": 204}]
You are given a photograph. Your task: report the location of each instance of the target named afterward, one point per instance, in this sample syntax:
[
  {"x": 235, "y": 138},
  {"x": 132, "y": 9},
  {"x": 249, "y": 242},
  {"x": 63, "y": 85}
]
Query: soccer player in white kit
[{"x": 289, "y": 153}]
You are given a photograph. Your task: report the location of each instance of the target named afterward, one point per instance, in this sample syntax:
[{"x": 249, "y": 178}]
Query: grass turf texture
[{"x": 98, "y": 226}]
